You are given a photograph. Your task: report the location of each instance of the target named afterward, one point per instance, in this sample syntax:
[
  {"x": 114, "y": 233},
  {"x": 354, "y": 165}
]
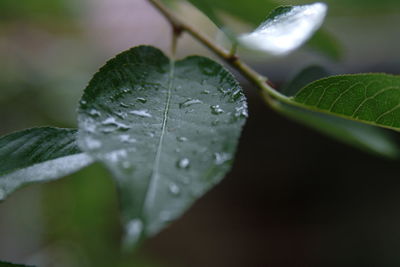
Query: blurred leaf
[
  {"x": 286, "y": 29},
  {"x": 365, "y": 137},
  {"x": 370, "y": 98},
  {"x": 33, "y": 9},
  {"x": 7, "y": 264},
  {"x": 166, "y": 130},
  {"x": 38, "y": 155},
  {"x": 323, "y": 42}
]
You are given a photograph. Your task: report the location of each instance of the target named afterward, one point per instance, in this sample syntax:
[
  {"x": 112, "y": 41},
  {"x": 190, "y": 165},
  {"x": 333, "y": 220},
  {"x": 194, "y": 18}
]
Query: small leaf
[
  {"x": 166, "y": 130},
  {"x": 38, "y": 155},
  {"x": 365, "y": 137},
  {"x": 370, "y": 98},
  {"x": 286, "y": 29},
  {"x": 7, "y": 264}
]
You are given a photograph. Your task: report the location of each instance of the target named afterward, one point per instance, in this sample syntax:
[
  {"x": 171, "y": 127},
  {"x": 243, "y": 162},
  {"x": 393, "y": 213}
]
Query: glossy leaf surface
[
  {"x": 38, "y": 155},
  {"x": 166, "y": 130},
  {"x": 286, "y": 28},
  {"x": 365, "y": 137},
  {"x": 368, "y": 98}
]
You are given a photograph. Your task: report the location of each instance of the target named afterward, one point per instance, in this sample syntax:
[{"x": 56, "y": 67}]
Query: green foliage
[
  {"x": 38, "y": 155},
  {"x": 362, "y": 136},
  {"x": 369, "y": 98},
  {"x": 7, "y": 264},
  {"x": 166, "y": 130}
]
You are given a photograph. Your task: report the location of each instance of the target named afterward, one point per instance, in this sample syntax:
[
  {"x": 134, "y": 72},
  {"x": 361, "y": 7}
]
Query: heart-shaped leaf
[
  {"x": 370, "y": 98},
  {"x": 38, "y": 155},
  {"x": 286, "y": 29},
  {"x": 166, "y": 130}
]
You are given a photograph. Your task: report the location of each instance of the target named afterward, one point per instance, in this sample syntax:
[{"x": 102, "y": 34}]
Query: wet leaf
[
  {"x": 286, "y": 29},
  {"x": 38, "y": 155},
  {"x": 166, "y": 130}
]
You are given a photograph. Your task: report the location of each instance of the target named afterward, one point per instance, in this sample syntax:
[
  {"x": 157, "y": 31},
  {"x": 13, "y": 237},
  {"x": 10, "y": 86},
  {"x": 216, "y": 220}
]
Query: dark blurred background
[{"x": 294, "y": 197}]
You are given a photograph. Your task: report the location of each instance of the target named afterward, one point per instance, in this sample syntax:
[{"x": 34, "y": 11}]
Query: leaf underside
[
  {"x": 368, "y": 98},
  {"x": 166, "y": 130},
  {"x": 38, "y": 155}
]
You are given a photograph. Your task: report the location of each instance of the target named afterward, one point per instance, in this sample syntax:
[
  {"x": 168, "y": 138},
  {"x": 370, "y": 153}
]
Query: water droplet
[
  {"x": 111, "y": 124},
  {"x": 126, "y": 90},
  {"x": 121, "y": 114},
  {"x": 222, "y": 157},
  {"x": 92, "y": 143},
  {"x": 236, "y": 94},
  {"x": 241, "y": 111},
  {"x": 126, "y": 138},
  {"x": 133, "y": 230},
  {"x": 205, "y": 92},
  {"x": 174, "y": 189},
  {"x": 94, "y": 113},
  {"x": 184, "y": 163},
  {"x": 124, "y": 105},
  {"x": 141, "y": 100},
  {"x": 141, "y": 113},
  {"x": 181, "y": 139},
  {"x": 83, "y": 103},
  {"x": 189, "y": 102},
  {"x": 216, "y": 110}
]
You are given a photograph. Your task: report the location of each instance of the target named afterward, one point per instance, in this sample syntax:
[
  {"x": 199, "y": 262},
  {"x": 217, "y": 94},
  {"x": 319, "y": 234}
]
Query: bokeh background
[{"x": 294, "y": 197}]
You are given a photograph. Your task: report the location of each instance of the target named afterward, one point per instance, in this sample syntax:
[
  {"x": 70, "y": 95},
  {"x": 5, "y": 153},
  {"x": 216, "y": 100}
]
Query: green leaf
[
  {"x": 38, "y": 155},
  {"x": 7, "y": 264},
  {"x": 362, "y": 136},
  {"x": 166, "y": 130},
  {"x": 370, "y": 98},
  {"x": 286, "y": 29}
]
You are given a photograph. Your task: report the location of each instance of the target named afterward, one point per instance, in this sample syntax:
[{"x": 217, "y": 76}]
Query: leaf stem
[{"x": 260, "y": 81}]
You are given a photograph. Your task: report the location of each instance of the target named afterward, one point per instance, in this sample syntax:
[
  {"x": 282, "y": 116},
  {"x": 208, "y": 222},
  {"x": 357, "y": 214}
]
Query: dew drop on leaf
[
  {"x": 189, "y": 102},
  {"x": 94, "y": 113},
  {"x": 181, "y": 139},
  {"x": 141, "y": 113},
  {"x": 174, "y": 189},
  {"x": 222, "y": 157},
  {"x": 133, "y": 230},
  {"x": 141, "y": 100},
  {"x": 183, "y": 163},
  {"x": 216, "y": 110},
  {"x": 126, "y": 138}
]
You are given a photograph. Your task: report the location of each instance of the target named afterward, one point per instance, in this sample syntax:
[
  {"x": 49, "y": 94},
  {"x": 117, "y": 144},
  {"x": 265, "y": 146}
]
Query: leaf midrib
[{"x": 151, "y": 187}]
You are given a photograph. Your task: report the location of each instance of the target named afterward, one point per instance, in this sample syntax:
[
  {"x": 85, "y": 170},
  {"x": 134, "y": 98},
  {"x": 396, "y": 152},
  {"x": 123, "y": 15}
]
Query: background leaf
[
  {"x": 167, "y": 131},
  {"x": 286, "y": 28},
  {"x": 254, "y": 12},
  {"x": 368, "y": 98},
  {"x": 38, "y": 155},
  {"x": 365, "y": 137},
  {"x": 7, "y": 264}
]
